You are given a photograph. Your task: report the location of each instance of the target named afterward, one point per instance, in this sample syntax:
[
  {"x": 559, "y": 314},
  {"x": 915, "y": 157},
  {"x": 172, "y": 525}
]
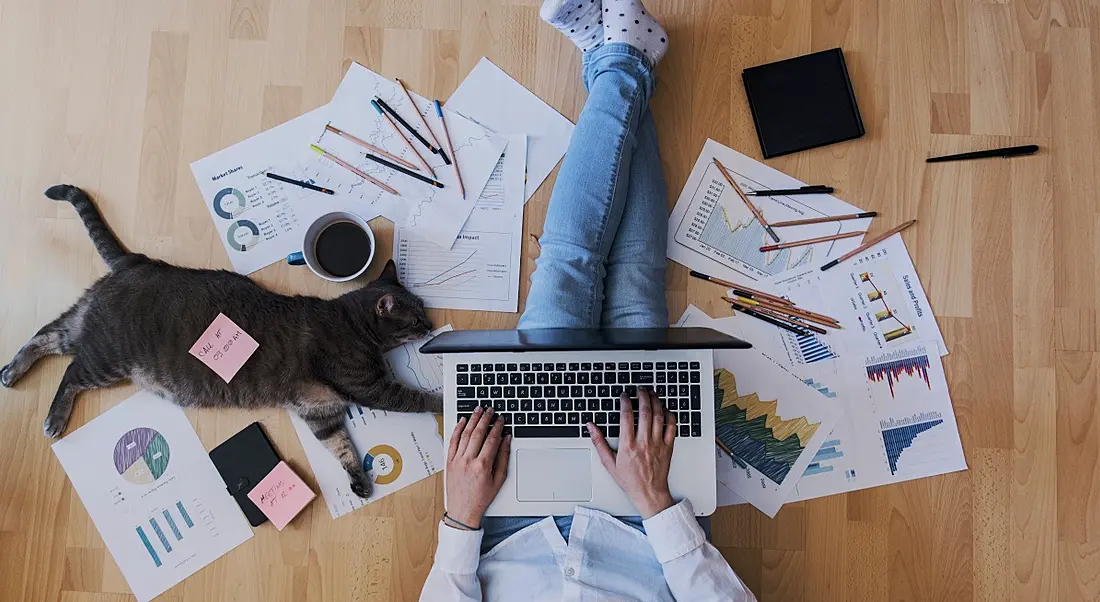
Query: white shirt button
[{"x": 569, "y": 572}]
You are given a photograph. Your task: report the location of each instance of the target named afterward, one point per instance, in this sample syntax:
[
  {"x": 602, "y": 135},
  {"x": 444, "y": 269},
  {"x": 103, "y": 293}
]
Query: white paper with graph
[
  {"x": 481, "y": 270},
  {"x": 712, "y": 231}
]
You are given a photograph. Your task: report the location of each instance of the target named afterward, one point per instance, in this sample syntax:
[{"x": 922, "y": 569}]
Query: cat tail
[{"x": 104, "y": 240}]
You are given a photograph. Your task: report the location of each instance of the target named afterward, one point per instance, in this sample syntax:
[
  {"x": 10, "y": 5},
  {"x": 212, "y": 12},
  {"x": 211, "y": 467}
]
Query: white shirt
[{"x": 603, "y": 560}]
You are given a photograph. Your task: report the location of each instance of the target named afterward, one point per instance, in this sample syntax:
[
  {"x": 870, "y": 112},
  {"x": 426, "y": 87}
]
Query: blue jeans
[{"x": 605, "y": 236}]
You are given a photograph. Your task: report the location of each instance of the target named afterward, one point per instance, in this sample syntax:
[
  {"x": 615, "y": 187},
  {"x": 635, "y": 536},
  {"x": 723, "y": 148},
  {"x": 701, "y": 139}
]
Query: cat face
[{"x": 400, "y": 314}]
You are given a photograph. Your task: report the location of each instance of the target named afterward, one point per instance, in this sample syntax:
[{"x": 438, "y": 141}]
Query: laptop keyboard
[{"x": 558, "y": 399}]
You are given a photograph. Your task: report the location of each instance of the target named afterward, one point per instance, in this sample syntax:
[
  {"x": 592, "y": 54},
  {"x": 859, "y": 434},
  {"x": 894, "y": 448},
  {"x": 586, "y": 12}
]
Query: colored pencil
[
  {"x": 791, "y": 311},
  {"x": 306, "y": 185},
  {"x": 407, "y": 172},
  {"x": 337, "y": 160},
  {"x": 874, "y": 241},
  {"x": 770, "y": 320},
  {"x": 367, "y": 145},
  {"x": 827, "y": 218},
  {"x": 405, "y": 124},
  {"x": 811, "y": 241},
  {"x": 741, "y": 193},
  {"x": 776, "y": 314},
  {"x": 424, "y": 122},
  {"x": 450, "y": 147},
  {"x": 742, "y": 290},
  {"x": 397, "y": 130}
]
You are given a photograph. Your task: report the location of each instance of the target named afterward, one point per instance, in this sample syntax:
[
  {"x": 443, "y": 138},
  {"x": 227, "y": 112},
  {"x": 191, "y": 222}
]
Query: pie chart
[
  {"x": 383, "y": 463},
  {"x": 242, "y": 235},
  {"x": 141, "y": 456}
]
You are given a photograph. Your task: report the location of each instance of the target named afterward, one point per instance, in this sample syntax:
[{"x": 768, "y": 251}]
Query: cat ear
[
  {"x": 389, "y": 273},
  {"x": 385, "y": 305}
]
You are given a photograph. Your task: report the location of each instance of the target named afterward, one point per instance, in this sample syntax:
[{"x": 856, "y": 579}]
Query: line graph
[{"x": 475, "y": 267}]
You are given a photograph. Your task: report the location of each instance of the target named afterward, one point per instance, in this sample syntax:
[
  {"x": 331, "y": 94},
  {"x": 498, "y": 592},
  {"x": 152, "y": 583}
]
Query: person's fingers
[
  {"x": 626, "y": 421},
  {"x": 456, "y": 436},
  {"x": 660, "y": 418},
  {"x": 464, "y": 440},
  {"x": 492, "y": 442},
  {"x": 670, "y": 430},
  {"x": 500, "y": 466},
  {"x": 645, "y": 416},
  {"x": 603, "y": 448},
  {"x": 477, "y": 438}
]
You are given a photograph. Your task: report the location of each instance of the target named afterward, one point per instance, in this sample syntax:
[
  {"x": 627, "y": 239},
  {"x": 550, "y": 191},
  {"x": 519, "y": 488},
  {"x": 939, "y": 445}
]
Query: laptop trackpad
[{"x": 553, "y": 475}]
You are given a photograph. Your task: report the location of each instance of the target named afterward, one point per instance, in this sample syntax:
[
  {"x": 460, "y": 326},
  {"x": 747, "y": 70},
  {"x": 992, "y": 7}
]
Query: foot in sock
[
  {"x": 628, "y": 21},
  {"x": 580, "y": 20}
]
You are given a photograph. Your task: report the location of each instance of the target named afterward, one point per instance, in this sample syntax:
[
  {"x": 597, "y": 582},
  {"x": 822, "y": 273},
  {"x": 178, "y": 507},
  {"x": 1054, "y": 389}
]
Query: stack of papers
[{"x": 881, "y": 373}]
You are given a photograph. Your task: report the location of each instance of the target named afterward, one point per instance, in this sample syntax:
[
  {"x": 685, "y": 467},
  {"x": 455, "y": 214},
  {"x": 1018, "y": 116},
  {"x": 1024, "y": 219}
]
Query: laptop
[{"x": 546, "y": 384}]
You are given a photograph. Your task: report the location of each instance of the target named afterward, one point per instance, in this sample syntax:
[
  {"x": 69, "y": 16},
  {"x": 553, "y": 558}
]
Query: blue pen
[
  {"x": 397, "y": 130},
  {"x": 450, "y": 148}
]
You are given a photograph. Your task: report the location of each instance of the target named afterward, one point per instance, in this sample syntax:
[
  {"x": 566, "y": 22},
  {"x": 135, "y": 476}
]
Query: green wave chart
[
  {"x": 754, "y": 433},
  {"x": 141, "y": 456}
]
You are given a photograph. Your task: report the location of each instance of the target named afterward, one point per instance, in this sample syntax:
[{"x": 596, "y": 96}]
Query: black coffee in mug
[{"x": 342, "y": 248}]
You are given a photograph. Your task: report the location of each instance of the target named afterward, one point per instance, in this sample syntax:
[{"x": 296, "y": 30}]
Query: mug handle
[{"x": 296, "y": 258}]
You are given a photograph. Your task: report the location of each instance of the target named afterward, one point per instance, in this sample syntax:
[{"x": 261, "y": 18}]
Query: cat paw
[
  {"x": 360, "y": 484},
  {"x": 54, "y": 426},
  {"x": 7, "y": 376},
  {"x": 435, "y": 405}
]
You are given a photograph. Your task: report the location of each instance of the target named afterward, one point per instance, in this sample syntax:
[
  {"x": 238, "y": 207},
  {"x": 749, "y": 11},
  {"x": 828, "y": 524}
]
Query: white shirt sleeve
[
  {"x": 694, "y": 570},
  {"x": 454, "y": 574}
]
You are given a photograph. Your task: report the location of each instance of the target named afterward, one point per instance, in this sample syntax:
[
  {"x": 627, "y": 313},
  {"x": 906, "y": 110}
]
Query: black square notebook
[
  {"x": 243, "y": 460},
  {"x": 802, "y": 103}
]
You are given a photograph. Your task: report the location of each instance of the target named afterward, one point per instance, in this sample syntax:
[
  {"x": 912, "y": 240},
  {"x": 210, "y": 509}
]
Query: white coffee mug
[{"x": 308, "y": 254}]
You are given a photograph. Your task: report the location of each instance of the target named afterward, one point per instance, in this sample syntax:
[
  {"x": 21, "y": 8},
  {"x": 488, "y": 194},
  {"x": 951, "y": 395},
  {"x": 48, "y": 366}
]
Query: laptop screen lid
[{"x": 580, "y": 339}]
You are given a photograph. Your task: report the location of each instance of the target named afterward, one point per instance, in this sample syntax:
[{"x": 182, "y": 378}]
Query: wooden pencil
[
  {"x": 770, "y": 320},
  {"x": 741, "y": 193},
  {"x": 789, "y": 310},
  {"x": 450, "y": 148},
  {"x": 435, "y": 141},
  {"x": 740, "y": 289},
  {"x": 874, "y": 241},
  {"x": 826, "y": 219},
  {"x": 401, "y": 135},
  {"x": 382, "y": 152},
  {"x": 771, "y": 313},
  {"x": 337, "y": 160},
  {"x": 810, "y": 241}
]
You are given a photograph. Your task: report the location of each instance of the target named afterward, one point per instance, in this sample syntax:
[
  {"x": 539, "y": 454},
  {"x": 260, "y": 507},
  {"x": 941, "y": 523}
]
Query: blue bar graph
[
  {"x": 813, "y": 350},
  {"x": 172, "y": 524},
  {"x": 349, "y": 409},
  {"x": 829, "y": 450},
  {"x": 897, "y": 439},
  {"x": 148, "y": 546},
  {"x": 183, "y": 513},
  {"x": 160, "y": 534},
  {"x": 821, "y": 388}
]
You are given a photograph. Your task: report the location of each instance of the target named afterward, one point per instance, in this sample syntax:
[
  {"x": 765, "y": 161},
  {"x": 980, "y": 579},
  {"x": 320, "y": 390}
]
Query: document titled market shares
[
  {"x": 153, "y": 493},
  {"x": 481, "y": 270},
  {"x": 712, "y": 230}
]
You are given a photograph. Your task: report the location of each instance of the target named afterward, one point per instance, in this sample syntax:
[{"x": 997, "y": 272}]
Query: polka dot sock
[
  {"x": 628, "y": 21},
  {"x": 580, "y": 20}
]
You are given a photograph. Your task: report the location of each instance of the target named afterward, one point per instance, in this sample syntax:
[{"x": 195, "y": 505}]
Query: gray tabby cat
[{"x": 316, "y": 357}]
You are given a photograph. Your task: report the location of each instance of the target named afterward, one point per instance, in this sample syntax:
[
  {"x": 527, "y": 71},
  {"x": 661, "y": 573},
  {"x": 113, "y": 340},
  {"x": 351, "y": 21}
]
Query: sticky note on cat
[
  {"x": 281, "y": 495},
  {"x": 224, "y": 347}
]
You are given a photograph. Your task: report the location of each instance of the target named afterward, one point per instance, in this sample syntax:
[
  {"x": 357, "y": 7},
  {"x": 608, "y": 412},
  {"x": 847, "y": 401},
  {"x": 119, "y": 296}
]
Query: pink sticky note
[
  {"x": 281, "y": 495},
  {"x": 224, "y": 347}
]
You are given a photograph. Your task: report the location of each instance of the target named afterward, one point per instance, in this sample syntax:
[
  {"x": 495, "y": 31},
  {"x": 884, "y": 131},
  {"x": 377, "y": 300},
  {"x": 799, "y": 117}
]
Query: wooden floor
[{"x": 119, "y": 96}]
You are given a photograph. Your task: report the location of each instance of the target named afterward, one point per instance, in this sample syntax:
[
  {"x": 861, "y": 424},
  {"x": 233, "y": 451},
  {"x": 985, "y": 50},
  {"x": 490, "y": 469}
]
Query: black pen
[
  {"x": 771, "y": 320},
  {"x": 815, "y": 189},
  {"x": 407, "y": 172},
  {"x": 405, "y": 124},
  {"x": 275, "y": 176},
  {"x": 1010, "y": 151}
]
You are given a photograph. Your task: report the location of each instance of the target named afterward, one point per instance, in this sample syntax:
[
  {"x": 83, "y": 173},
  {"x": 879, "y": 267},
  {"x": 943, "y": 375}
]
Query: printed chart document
[
  {"x": 712, "y": 231},
  {"x": 153, "y": 493},
  {"x": 260, "y": 220},
  {"x": 768, "y": 423},
  {"x": 436, "y": 214},
  {"x": 489, "y": 96},
  {"x": 398, "y": 449},
  {"x": 481, "y": 270}
]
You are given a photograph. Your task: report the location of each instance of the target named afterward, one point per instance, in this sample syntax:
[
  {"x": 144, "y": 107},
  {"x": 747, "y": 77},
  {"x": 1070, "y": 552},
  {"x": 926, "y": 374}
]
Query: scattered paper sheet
[
  {"x": 152, "y": 492},
  {"x": 772, "y": 422},
  {"x": 481, "y": 270},
  {"x": 437, "y": 215},
  {"x": 712, "y": 231},
  {"x": 260, "y": 220},
  {"x": 489, "y": 96},
  {"x": 397, "y": 449}
]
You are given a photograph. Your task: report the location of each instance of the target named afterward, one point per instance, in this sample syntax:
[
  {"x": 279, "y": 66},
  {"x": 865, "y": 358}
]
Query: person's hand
[
  {"x": 477, "y": 462},
  {"x": 641, "y": 464}
]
